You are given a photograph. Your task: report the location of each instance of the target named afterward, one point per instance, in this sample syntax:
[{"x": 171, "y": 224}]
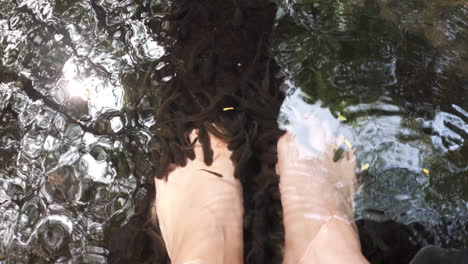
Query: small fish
[
  {"x": 214, "y": 173},
  {"x": 348, "y": 144},
  {"x": 365, "y": 167},
  {"x": 228, "y": 108},
  {"x": 425, "y": 171}
]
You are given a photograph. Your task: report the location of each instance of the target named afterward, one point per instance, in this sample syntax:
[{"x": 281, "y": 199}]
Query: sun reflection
[
  {"x": 101, "y": 93},
  {"x": 73, "y": 85},
  {"x": 76, "y": 88}
]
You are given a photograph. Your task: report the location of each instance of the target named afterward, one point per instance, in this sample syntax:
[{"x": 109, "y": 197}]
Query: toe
[
  {"x": 197, "y": 148},
  {"x": 351, "y": 155},
  {"x": 352, "y": 158},
  {"x": 193, "y": 135}
]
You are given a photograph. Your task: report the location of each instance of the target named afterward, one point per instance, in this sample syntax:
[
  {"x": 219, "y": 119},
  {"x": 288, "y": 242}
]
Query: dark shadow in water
[
  {"x": 220, "y": 58},
  {"x": 391, "y": 242}
]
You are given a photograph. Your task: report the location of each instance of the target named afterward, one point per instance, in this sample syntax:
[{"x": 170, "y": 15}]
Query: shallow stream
[{"x": 391, "y": 76}]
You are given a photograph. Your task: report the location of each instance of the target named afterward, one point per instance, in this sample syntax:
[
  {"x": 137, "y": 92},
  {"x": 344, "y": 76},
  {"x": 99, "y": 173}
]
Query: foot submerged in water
[
  {"x": 317, "y": 196},
  {"x": 199, "y": 212}
]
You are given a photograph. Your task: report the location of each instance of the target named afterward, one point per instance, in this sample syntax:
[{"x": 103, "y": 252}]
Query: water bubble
[
  {"x": 167, "y": 78},
  {"x": 116, "y": 124},
  {"x": 160, "y": 65}
]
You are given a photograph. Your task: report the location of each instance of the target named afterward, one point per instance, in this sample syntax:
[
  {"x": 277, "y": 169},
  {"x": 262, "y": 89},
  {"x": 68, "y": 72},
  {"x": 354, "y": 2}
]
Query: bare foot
[
  {"x": 317, "y": 196},
  {"x": 200, "y": 213}
]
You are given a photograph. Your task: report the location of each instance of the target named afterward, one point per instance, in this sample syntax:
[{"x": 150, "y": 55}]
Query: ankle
[
  {"x": 318, "y": 242},
  {"x": 336, "y": 242}
]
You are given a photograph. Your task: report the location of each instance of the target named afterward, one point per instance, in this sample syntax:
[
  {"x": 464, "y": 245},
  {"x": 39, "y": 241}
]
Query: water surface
[
  {"x": 74, "y": 138},
  {"x": 392, "y": 78}
]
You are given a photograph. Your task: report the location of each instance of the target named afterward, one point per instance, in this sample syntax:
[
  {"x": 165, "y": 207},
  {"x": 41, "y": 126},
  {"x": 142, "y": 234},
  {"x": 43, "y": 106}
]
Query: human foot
[
  {"x": 317, "y": 195},
  {"x": 199, "y": 212}
]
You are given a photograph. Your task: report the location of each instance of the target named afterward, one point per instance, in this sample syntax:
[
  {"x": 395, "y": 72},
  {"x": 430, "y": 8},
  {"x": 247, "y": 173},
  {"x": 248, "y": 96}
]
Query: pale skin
[{"x": 200, "y": 214}]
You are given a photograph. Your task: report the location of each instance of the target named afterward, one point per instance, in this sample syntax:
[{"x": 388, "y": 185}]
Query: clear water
[
  {"x": 396, "y": 70},
  {"x": 63, "y": 188}
]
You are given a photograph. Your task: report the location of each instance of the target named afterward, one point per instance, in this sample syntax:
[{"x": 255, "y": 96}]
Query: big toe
[{"x": 351, "y": 157}]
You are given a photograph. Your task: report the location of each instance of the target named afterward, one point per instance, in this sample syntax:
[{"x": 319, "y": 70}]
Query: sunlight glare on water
[
  {"x": 98, "y": 92},
  {"x": 67, "y": 162}
]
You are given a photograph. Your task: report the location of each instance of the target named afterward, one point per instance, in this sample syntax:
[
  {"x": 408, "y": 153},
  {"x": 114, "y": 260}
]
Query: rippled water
[
  {"x": 73, "y": 149},
  {"x": 396, "y": 72},
  {"x": 70, "y": 165}
]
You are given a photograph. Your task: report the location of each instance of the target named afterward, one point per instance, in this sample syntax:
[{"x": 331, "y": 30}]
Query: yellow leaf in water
[
  {"x": 228, "y": 108},
  {"x": 365, "y": 167},
  {"x": 426, "y": 171},
  {"x": 346, "y": 141}
]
